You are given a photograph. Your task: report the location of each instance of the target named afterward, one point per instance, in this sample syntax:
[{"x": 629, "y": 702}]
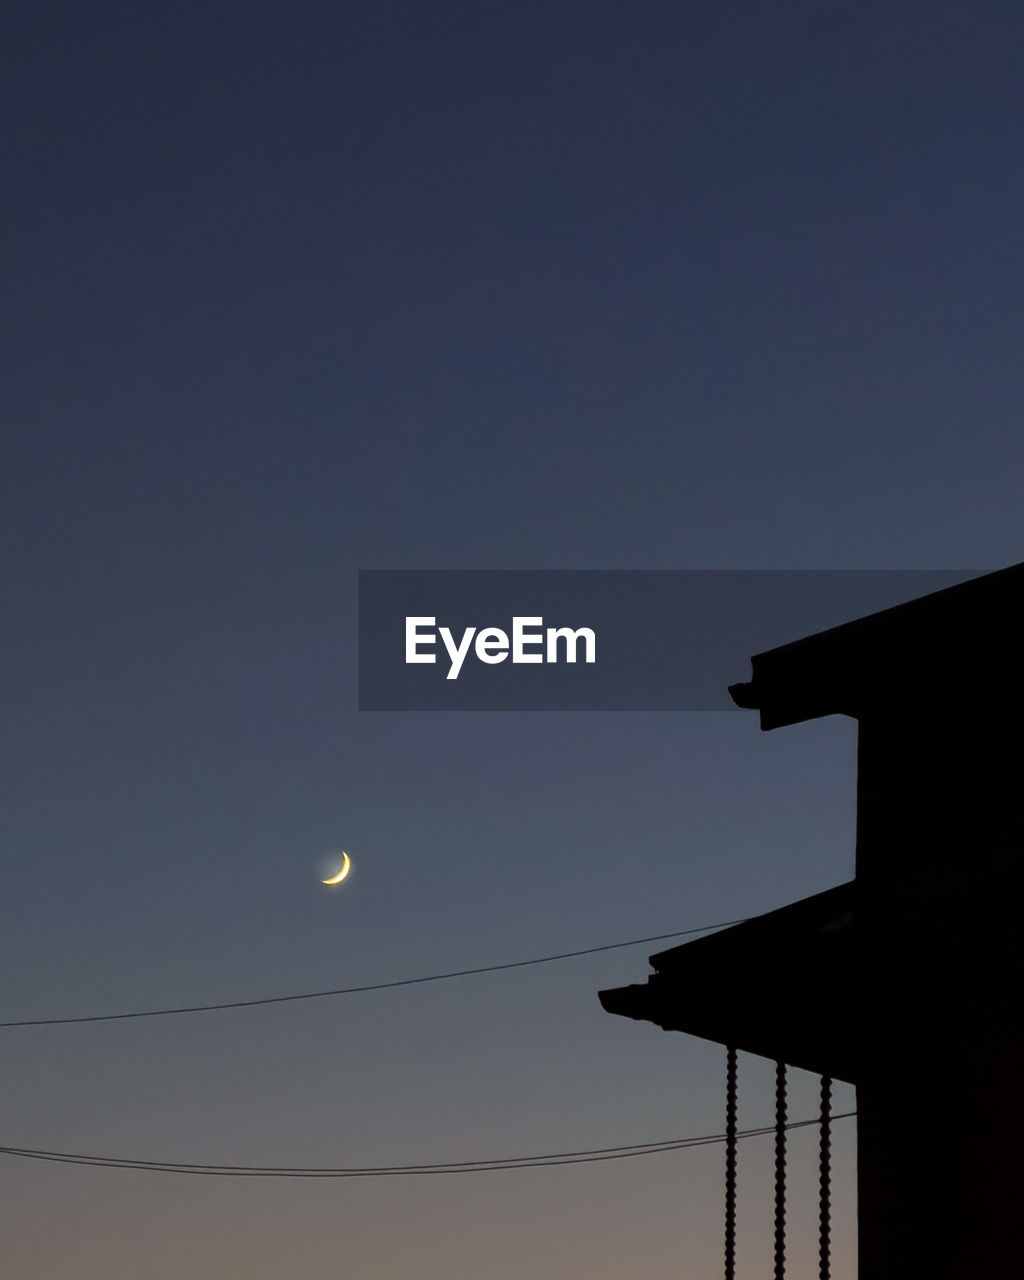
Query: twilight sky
[{"x": 297, "y": 290}]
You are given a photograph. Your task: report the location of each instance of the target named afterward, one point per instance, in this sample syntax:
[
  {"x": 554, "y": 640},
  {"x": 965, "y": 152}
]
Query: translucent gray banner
[{"x": 597, "y": 640}]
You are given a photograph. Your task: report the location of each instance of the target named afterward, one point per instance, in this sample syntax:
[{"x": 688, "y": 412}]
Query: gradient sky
[{"x": 295, "y": 290}]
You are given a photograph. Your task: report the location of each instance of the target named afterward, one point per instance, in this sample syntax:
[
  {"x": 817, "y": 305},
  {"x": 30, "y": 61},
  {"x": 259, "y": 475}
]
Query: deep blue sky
[{"x": 292, "y": 291}]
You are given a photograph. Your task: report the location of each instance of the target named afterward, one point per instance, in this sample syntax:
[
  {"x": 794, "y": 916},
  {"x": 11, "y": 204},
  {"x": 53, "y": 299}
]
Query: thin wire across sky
[
  {"x": 348, "y": 991},
  {"x": 548, "y": 1161}
]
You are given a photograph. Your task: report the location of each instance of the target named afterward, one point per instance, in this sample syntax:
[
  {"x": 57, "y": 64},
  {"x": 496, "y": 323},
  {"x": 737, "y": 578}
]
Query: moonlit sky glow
[{"x": 298, "y": 290}]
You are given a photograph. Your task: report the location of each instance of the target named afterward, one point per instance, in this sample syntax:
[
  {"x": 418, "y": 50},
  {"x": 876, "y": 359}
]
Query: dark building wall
[{"x": 941, "y": 1092}]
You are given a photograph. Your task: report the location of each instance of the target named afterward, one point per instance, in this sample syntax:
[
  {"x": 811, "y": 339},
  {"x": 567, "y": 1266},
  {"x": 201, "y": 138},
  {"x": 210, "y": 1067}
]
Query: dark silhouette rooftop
[{"x": 951, "y": 649}]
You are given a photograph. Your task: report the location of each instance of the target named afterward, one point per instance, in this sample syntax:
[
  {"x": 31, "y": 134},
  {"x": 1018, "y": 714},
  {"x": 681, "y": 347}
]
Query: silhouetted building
[{"x": 905, "y": 981}]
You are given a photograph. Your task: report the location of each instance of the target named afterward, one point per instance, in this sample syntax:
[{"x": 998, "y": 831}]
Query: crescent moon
[{"x": 346, "y": 867}]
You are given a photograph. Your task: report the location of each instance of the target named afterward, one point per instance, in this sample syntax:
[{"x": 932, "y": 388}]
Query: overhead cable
[
  {"x": 348, "y": 991},
  {"x": 551, "y": 1160}
]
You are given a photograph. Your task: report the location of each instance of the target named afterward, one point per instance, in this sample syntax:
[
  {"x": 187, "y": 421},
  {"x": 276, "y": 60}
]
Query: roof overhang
[
  {"x": 947, "y": 652},
  {"x": 780, "y": 986}
]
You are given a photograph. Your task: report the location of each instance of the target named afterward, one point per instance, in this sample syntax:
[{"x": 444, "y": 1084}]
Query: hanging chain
[
  {"x": 780, "y": 1170},
  {"x": 825, "y": 1182},
  {"x": 730, "y": 1163},
  {"x": 824, "y": 1171}
]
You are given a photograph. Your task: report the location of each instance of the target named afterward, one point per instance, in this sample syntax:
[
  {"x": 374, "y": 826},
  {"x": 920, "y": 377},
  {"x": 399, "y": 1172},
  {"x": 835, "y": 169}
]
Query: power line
[
  {"x": 347, "y": 991},
  {"x": 551, "y": 1160}
]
